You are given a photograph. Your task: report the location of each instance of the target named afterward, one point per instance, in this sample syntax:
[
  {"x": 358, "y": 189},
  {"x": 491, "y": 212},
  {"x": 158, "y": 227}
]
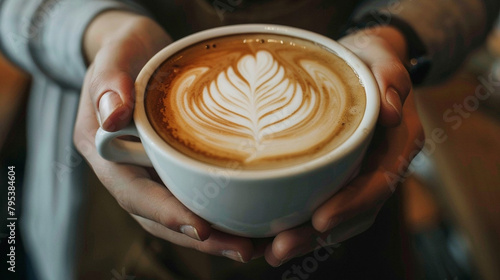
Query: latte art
[{"x": 260, "y": 104}]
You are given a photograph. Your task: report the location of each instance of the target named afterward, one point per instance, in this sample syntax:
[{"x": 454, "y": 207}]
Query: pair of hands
[{"x": 118, "y": 44}]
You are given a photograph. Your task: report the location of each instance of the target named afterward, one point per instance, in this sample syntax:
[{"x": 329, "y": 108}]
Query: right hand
[{"x": 117, "y": 45}]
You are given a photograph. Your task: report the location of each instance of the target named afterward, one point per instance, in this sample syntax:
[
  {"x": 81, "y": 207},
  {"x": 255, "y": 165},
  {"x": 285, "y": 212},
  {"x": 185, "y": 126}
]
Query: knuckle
[
  {"x": 162, "y": 215},
  {"x": 151, "y": 227},
  {"x": 122, "y": 199},
  {"x": 394, "y": 73},
  {"x": 201, "y": 247},
  {"x": 96, "y": 87},
  {"x": 206, "y": 247}
]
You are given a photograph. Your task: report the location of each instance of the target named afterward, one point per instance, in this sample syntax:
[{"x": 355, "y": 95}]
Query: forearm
[
  {"x": 448, "y": 29},
  {"x": 46, "y": 36}
]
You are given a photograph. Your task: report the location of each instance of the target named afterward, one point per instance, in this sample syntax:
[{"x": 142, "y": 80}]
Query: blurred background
[{"x": 451, "y": 194}]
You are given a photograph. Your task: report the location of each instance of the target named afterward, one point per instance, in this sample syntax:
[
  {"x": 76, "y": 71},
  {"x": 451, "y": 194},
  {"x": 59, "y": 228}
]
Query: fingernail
[
  {"x": 392, "y": 97},
  {"x": 108, "y": 103},
  {"x": 190, "y": 231},
  {"x": 234, "y": 255}
]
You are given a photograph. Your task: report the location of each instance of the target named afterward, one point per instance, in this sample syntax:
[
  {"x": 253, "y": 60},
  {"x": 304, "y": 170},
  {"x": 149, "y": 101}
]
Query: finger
[
  {"x": 391, "y": 75},
  {"x": 112, "y": 84},
  {"x": 351, "y": 227},
  {"x": 119, "y": 44},
  {"x": 300, "y": 241},
  {"x": 394, "y": 85},
  {"x": 260, "y": 245},
  {"x": 219, "y": 244},
  {"x": 132, "y": 186},
  {"x": 393, "y": 81},
  {"x": 139, "y": 195},
  {"x": 391, "y": 160},
  {"x": 365, "y": 192},
  {"x": 289, "y": 244},
  {"x": 305, "y": 239}
]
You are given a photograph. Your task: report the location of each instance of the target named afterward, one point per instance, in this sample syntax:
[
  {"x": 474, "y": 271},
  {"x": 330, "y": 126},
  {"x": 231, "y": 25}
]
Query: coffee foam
[{"x": 261, "y": 100}]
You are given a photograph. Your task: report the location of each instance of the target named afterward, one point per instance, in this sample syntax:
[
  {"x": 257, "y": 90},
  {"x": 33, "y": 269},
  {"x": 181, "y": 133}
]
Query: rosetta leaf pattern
[{"x": 252, "y": 101}]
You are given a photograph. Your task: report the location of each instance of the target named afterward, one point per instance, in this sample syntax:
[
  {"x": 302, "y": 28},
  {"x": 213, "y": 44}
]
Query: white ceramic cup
[{"x": 252, "y": 203}]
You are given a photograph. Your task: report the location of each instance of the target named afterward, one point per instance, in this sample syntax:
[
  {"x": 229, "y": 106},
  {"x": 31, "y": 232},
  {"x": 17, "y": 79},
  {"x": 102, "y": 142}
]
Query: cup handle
[{"x": 119, "y": 150}]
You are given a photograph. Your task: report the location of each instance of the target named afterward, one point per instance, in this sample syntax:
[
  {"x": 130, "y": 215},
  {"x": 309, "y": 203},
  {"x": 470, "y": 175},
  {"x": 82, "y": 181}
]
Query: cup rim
[{"x": 362, "y": 133}]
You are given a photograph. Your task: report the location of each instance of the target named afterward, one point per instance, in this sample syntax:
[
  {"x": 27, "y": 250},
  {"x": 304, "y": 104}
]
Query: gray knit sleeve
[
  {"x": 449, "y": 29},
  {"x": 46, "y": 36}
]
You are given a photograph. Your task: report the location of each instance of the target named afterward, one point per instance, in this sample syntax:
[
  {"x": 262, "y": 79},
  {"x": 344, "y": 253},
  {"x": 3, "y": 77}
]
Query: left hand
[
  {"x": 353, "y": 209},
  {"x": 117, "y": 44}
]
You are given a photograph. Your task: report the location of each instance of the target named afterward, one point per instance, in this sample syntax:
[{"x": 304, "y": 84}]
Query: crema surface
[{"x": 260, "y": 100}]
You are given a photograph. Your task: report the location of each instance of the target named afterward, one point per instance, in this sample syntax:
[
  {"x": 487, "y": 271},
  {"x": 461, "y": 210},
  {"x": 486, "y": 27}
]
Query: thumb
[
  {"x": 394, "y": 85},
  {"x": 112, "y": 92},
  {"x": 382, "y": 50},
  {"x": 114, "y": 70},
  {"x": 130, "y": 41}
]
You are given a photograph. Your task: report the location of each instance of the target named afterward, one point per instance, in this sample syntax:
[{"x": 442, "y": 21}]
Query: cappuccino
[{"x": 261, "y": 101}]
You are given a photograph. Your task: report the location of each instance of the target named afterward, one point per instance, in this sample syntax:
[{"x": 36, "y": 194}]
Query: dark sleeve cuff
[{"x": 449, "y": 30}]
